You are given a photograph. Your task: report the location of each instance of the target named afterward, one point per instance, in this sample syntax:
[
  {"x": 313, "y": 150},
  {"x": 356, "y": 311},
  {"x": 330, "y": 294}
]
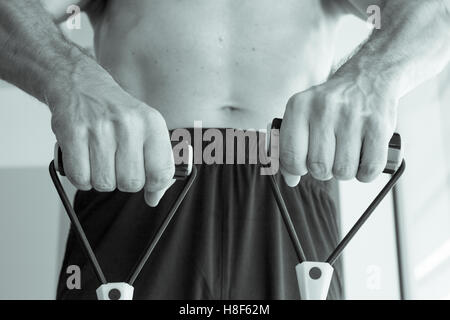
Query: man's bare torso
[{"x": 226, "y": 63}]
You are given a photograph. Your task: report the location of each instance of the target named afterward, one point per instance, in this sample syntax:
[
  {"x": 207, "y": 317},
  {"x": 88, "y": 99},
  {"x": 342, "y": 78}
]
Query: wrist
[
  {"x": 366, "y": 91},
  {"x": 374, "y": 76},
  {"x": 69, "y": 77}
]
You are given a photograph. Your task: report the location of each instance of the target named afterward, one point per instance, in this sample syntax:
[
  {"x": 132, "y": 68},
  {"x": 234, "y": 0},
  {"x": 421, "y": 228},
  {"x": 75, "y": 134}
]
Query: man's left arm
[
  {"x": 412, "y": 44},
  {"x": 342, "y": 127}
]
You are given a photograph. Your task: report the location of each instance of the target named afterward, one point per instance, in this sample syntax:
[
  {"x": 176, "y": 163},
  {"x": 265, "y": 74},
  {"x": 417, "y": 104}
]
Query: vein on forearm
[{"x": 412, "y": 45}]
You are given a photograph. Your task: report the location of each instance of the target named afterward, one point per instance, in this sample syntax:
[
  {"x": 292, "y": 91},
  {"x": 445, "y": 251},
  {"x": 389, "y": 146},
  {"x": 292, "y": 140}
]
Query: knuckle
[
  {"x": 96, "y": 133},
  {"x": 377, "y": 126},
  {"x": 129, "y": 128},
  {"x": 329, "y": 99},
  {"x": 368, "y": 172},
  {"x": 323, "y": 113},
  {"x": 319, "y": 170},
  {"x": 79, "y": 179},
  {"x": 298, "y": 103},
  {"x": 130, "y": 185},
  {"x": 155, "y": 117},
  {"x": 130, "y": 116},
  {"x": 293, "y": 162},
  {"x": 325, "y": 117},
  {"x": 344, "y": 172},
  {"x": 348, "y": 116},
  {"x": 103, "y": 187},
  {"x": 294, "y": 100},
  {"x": 100, "y": 127},
  {"x": 103, "y": 184},
  {"x": 128, "y": 120},
  {"x": 71, "y": 135},
  {"x": 158, "y": 179},
  {"x": 155, "y": 123}
]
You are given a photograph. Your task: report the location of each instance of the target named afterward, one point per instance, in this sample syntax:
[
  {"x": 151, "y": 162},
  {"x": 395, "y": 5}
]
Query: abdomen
[{"x": 227, "y": 63}]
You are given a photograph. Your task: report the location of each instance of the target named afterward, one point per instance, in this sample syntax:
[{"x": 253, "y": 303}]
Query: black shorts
[{"x": 227, "y": 240}]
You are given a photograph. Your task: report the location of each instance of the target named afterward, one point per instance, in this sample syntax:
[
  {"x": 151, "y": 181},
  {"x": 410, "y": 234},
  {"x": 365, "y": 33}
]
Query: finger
[
  {"x": 291, "y": 180},
  {"x": 153, "y": 198},
  {"x": 158, "y": 163},
  {"x": 130, "y": 172},
  {"x": 322, "y": 144},
  {"x": 293, "y": 145},
  {"x": 348, "y": 153},
  {"x": 76, "y": 163},
  {"x": 102, "y": 149},
  {"x": 374, "y": 155}
]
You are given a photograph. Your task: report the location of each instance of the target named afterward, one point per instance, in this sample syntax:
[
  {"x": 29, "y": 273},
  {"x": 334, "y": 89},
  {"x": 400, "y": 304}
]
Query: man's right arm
[
  {"x": 109, "y": 139},
  {"x": 34, "y": 55}
]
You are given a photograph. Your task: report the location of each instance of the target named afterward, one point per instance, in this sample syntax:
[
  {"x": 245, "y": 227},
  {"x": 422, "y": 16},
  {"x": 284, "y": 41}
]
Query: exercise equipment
[
  {"x": 120, "y": 290},
  {"x": 314, "y": 277}
]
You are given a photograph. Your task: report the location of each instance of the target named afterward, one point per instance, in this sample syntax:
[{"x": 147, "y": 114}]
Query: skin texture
[
  {"x": 346, "y": 122},
  {"x": 229, "y": 64}
]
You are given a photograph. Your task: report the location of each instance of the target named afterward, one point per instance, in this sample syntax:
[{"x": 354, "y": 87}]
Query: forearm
[
  {"x": 412, "y": 46},
  {"x": 34, "y": 54}
]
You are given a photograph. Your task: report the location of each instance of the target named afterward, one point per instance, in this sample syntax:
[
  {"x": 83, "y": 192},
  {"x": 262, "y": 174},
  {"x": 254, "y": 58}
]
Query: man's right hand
[{"x": 109, "y": 139}]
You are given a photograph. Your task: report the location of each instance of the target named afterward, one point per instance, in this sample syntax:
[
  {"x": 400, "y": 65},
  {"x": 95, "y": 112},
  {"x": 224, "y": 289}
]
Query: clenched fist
[
  {"x": 109, "y": 139},
  {"x": 341, "y": 128}
]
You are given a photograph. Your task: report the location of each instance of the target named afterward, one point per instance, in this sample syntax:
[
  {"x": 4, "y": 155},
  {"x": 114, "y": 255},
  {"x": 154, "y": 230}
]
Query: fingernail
[{"x": 290, "y": 179}]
